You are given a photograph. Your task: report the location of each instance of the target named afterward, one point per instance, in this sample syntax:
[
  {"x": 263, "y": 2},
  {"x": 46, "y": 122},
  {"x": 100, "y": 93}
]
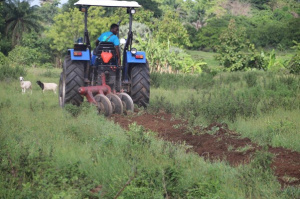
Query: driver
[{"x": 111, "y": 36}]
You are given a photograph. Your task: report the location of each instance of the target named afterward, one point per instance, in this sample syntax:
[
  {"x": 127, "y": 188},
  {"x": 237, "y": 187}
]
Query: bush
[
  {"x": 3, "y": 59},
  {"x": 251, "y": 79},
  {"x": 294, "y": 64},
  {"x": 24, "y": 56},
  {"x": 7, "y": 72},
  {"x": 165, "y": 58}
]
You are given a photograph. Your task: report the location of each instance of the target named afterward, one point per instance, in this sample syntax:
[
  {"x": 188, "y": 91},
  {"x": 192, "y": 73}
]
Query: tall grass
[
  {"x": 241, "y": 98},
  {"x": 47, "y": 152}
]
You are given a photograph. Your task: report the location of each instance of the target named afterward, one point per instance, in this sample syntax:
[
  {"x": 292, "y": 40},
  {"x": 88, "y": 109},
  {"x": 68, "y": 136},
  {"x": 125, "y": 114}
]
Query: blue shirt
[{"x": 114, "y": 39}]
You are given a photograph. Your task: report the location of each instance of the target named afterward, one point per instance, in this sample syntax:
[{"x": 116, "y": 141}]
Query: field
[{"x": 47, "y": 152}]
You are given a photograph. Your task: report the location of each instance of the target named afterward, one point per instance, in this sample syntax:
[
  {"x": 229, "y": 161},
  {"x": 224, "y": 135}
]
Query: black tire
[
  {"x": 71, "y": 79},
  {"x": 140, "y": 84}
]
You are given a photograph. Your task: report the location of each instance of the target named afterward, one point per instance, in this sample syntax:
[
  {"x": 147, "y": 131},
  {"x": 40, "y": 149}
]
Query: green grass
[
  {"x": 279, "y": 128},
  {"x": 208, "y": 57},
  {"x": 48, "y": 153},
  {"x": 260, "y": 105}
]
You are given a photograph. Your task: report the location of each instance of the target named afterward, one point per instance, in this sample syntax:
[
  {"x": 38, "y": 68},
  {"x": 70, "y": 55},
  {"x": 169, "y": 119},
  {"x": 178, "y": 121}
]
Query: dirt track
[{"x": 219, "y": 143}]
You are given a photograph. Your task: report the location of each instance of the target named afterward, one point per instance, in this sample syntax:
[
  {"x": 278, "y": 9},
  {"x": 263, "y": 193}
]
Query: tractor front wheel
[
  {"x": 71, "y": 79},
  {"x": 140, "y": 84}
]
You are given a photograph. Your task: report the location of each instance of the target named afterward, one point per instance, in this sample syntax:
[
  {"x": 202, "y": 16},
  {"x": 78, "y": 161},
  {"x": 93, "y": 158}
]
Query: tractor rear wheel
[
  {"x": 140, "y": 84},
  {"x": 71, "y": 79}
]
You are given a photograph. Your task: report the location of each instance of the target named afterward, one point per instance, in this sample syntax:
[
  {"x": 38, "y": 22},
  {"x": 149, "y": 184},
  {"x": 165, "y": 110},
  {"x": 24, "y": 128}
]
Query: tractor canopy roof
[{"x": 108, "y": 3}]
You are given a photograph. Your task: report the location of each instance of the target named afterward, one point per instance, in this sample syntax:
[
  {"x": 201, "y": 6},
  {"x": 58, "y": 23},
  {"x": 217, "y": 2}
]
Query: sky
[{"x": 37, "y": 2}]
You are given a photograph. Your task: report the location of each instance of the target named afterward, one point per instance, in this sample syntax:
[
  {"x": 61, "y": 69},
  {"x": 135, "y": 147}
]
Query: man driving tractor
[{"x": 111, "y": 36}]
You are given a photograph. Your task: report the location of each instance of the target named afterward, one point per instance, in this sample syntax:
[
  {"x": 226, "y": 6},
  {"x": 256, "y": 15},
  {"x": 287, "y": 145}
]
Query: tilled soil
[{"x": 217, "y": 142}]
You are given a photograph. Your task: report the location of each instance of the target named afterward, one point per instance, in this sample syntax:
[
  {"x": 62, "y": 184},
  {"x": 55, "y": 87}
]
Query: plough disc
[
  {"x": 104, "y": 105},
  {"x": 127, "y": 102},
  {"x": 116, "y": 103}
]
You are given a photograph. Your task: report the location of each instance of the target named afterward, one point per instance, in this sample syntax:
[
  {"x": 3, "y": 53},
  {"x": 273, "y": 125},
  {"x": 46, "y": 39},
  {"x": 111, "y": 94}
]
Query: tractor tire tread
[
  {"x": 74, "y": 71},
  {"x": 140, "y": 84}
]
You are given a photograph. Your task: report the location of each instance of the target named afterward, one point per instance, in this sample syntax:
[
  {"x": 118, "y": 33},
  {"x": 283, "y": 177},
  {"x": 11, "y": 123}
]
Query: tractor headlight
[{"x": 133, "y": 51}]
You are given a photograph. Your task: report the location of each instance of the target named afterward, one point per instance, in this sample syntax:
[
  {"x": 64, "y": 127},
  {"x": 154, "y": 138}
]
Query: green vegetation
[
  {"x": 48, "y": 152},
  {"x": 261, "y": 105},
  {"x": 45, "y": 32}
]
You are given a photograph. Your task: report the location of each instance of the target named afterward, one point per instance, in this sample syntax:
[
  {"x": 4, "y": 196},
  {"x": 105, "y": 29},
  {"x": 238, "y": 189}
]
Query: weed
[
  {"x": 251, "y": 79},
  {"x": 177, "y": 126},
  {"x": 73, "y": 110},
  {"x": 230, "y": 148},
  {"x": 244, "y": 149}
]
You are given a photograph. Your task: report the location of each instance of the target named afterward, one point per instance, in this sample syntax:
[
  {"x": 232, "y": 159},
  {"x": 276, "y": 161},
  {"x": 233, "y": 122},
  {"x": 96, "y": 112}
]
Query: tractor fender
[
  {"x": 80, "y": 55},
  {"x": 132, "y": 58}
]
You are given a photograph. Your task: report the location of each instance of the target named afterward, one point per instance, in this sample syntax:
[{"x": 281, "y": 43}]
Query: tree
[
  {"x": 48, "y": 10},
  {"x": 152, "y": 6},
  {"x": 170, "y": 29},
  {"x": 5, "y": 44},
  {"x": 67, "y": 27},
  {"x": 69, "y": 5},
  {"x": 20, "y": 18},
  {"x": 230, "y": 50}
]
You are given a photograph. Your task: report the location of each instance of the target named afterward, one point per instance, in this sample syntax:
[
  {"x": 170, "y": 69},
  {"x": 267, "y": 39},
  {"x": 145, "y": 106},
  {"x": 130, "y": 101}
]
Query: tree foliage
[
  {"x": 48, "y": 10},
  {"x": 164, "y": 58},
  {"x": 20, "y": 18},
  {"x": 169, "y": 29},
  {"x": 230, "y": 50},
  {"x": 151, "y": 5},
  {"x": 172, "y": 25}
]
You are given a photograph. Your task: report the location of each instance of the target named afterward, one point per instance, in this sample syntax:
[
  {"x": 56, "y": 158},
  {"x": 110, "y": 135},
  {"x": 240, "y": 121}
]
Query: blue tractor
[{"x": 98, "y": 77}]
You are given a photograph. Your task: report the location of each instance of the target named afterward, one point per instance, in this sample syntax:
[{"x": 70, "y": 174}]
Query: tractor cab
[{"x": 98, "y": 77}]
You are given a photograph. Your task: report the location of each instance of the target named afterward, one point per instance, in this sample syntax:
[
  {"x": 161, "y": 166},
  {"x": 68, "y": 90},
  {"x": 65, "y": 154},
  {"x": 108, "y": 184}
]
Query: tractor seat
[{"x": 106, "y": 47}]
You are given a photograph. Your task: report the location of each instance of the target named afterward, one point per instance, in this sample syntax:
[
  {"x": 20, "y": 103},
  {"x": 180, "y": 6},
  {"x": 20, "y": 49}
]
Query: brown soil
[{"x": 217, "y": 142}]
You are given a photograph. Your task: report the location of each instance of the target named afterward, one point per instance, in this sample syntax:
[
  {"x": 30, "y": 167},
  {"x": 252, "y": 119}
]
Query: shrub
[
  {"x": 251, "y": 79},
  {"x": 3, "y": 59},
  {"x": 165, "y": 58},
  {"x": 294, "y": 64},
  {"x": 23, "y": 56},
  {"x": 7, "y": 72}
]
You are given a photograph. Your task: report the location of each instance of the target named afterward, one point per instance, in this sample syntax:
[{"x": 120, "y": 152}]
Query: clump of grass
[
  {"x": 76, "y": 110},
  {"x": 251, "y": 79}
]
